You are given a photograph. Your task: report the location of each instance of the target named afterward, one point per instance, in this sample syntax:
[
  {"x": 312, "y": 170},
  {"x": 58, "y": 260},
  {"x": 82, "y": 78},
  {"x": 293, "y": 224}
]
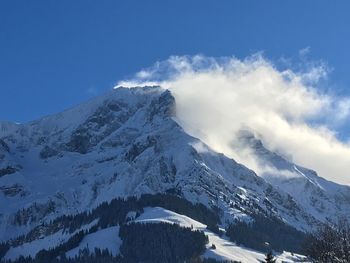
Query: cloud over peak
[{"x": 218, "y": 97}]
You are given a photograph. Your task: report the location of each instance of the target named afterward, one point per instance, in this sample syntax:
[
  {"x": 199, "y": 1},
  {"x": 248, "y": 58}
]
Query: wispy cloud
[
  {"x": 217, "y": 97},
  {"x": 304, "y": 51}
]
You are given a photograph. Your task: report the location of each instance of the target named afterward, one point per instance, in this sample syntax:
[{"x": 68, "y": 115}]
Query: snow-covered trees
[
  {"x": 330, "y": 243},
  {"x": 255, "y": 234},
  {"x": 270, "y": 258},
  {"x": 109, "y": 214}
]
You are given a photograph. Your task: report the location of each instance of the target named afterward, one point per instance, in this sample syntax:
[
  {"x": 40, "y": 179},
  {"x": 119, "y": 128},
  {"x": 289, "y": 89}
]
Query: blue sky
[{"x": 55, "y": 54}]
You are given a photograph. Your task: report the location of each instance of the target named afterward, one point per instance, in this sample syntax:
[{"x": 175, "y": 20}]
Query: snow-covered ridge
[
  {"x": 44, "y": 242},
  {"x": 126, "y": 143},
  {"x": 225, "y": 250},
  {"x": 322, "y": 198},
  {"x": 7, "y": 128}
]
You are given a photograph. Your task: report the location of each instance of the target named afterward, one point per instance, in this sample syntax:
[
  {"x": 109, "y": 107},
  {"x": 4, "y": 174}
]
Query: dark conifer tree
[{"x": 270, "y": 258}]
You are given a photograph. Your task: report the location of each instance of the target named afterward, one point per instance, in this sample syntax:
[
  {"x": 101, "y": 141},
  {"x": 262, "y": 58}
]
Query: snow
[
  {"x": 7, "y": 127},
  {"x": 159, "y": 214},
  {"x": 319, "y": 198},
  {"x": 51, "y": 241},
  {"x": 107, "y": 238},
  {"x": 32, "y": 248},
  {"x": 77, "y": 182},
  {"x": 225, "y": 249}
]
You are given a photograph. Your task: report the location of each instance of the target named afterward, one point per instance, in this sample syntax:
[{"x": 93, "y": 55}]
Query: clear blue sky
[{"x": 55, "y": 54}]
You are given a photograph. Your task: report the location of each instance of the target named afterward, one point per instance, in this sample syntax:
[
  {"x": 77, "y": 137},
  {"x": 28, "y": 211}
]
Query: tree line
[
  {"x": 109, "y": 214},
  {"x": 330, "y": 243},
  {"x": 266, "y": 233},
  {"x": 160, "y": 243}
]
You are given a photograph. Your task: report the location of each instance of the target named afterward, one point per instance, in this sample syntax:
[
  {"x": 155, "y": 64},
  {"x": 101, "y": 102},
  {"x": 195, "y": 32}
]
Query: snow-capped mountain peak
[{"x": 127, "y": 143}]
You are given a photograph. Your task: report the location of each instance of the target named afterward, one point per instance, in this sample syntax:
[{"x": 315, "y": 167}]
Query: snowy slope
[
  {"x": 225, "y": 250},
  {"x": 107, "y": 238},
  {"x": 7, "y": 128},
  {"x": 319, "y": 197},
  {"x": 125, "y": 143},
  {"x": 43, "y": 242}
]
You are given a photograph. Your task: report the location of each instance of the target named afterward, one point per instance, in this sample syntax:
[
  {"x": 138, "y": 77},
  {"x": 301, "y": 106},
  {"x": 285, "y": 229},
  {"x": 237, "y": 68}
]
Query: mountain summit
[{"x": 127, "y": 143}]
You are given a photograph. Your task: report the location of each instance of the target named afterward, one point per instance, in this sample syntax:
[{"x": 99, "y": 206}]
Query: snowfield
[
  {"x": 45, "y": 242},
  {"x": 225, "y": 250},
  {"x": 107, "y": 238}
]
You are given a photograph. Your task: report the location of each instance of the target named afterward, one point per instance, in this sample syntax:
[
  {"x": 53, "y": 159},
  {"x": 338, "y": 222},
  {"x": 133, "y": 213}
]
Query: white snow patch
[
  {"x": 107, "y": 238},
  {"x": 32, "y": 248}
]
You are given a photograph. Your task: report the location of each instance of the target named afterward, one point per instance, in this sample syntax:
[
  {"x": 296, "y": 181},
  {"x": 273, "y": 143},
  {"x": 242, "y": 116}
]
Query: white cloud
[
  {"x": 218, "y": 97},
  {"x": 304, "y": 51},
  {"x": 342, "y": 110}
]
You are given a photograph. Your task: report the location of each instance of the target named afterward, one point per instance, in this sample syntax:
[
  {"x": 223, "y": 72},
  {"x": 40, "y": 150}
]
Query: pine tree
[{"x": 270, "y": 258}]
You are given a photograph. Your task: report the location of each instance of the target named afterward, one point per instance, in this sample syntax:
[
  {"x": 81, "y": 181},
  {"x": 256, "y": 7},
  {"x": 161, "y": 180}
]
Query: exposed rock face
[
  {"x": 33, "y": 213},
  {"x": 8, "y": 170},
  {"x": 4, "y": 147},
  {"x": 12, "y": 190},
  {"x": 47, "y": 152}
]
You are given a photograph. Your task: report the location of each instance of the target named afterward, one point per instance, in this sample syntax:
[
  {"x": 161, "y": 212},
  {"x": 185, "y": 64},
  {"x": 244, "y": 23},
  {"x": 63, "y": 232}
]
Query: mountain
[
  {"x": 321, "y": 198},
  {"x": 127, "y": 143}
]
